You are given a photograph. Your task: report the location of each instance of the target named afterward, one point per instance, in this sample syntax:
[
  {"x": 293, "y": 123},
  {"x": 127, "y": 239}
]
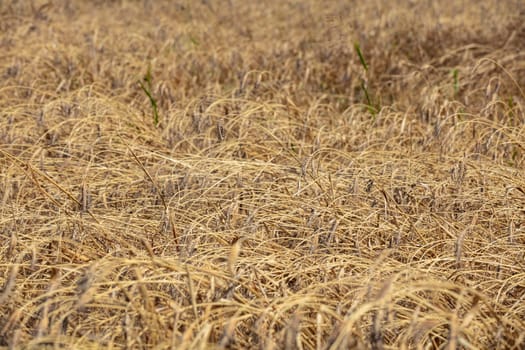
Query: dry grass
[{"x": 274, "y": 205}]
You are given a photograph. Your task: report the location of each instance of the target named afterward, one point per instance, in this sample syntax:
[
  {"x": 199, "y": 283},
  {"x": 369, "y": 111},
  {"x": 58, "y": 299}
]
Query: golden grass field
[{"x": 272, "y": 193}]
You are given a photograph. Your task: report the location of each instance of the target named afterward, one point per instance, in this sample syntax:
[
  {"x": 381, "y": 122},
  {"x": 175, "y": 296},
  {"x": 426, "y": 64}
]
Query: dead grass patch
[{"x": 270, "y": 206}]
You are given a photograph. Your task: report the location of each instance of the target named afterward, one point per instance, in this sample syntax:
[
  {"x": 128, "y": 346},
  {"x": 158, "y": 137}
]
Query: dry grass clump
[{"x": 264, "y": 186}]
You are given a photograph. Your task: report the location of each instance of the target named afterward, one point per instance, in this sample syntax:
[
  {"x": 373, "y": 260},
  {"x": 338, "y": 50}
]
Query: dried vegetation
[{"x": 284, "y": 196}]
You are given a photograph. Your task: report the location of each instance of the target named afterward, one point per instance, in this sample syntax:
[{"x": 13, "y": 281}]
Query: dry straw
[{"x": 262, "y": 189}]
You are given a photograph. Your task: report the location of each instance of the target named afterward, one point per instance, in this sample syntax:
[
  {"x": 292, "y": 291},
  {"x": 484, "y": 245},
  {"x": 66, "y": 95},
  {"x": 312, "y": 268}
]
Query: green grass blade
[
  {"x": 152, "y": 100},
  {"x": 361, "y": 57},
  {"x": 455, "y": 75}
]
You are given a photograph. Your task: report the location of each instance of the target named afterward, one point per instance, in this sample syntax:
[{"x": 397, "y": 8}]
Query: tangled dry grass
[{"x": 286, "y": 197}]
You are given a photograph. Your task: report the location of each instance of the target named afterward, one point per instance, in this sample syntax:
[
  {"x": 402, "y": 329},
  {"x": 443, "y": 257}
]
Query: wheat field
[{"x": 262, "y": 175}]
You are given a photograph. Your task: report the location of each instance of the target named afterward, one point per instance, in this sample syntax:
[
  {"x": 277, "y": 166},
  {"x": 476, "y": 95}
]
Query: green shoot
[
  {"x": 370, "y": 105},
  {"x": 361, "y": 57},
  {"x": 194, "y": 41},
  {"x": 455, "y": 77},
  {"x": 147, "y": 90}
]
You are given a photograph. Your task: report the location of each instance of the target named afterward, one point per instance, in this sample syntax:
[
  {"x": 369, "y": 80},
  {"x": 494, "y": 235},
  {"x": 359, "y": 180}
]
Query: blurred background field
[{"x": 263, "y": 175}]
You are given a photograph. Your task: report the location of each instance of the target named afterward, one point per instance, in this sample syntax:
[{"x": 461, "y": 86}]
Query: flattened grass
[{"x": 261, "y": 205}]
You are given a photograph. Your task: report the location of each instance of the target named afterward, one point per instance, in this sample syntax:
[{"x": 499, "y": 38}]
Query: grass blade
[{"x": 361, "y": 57}]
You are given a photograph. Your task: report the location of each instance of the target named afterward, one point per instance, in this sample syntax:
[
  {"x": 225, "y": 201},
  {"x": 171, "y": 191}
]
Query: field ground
[{"x": 266, "y": 175}]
